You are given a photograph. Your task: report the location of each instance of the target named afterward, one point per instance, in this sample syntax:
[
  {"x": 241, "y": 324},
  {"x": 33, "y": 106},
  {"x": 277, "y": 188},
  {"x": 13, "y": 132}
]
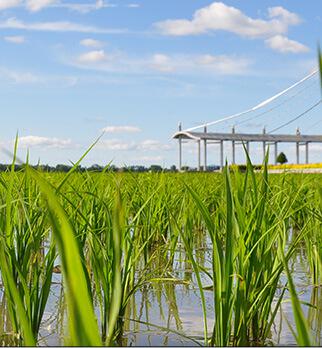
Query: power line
[
  {"x": 258, "y": 106},
  {"x": 276, "y": 106},
  {"x": 296, "y": 118}
]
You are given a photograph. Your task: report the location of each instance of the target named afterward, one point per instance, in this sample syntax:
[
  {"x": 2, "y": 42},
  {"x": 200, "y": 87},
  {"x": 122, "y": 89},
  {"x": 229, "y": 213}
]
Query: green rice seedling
[
  {"x": 25, "y": 268},
  {"x": 245, "y": 265},
  {"x": 82, "y": 321},
  {"x": 303, "y": 337},
  {"x": 120, "y": 235}
]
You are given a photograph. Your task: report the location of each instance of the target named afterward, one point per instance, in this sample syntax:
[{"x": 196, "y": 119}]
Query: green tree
[{"x": 281, "y": 158}]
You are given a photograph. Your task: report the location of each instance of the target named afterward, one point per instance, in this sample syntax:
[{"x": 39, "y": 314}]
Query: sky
[{"x": 131, "y": 70}]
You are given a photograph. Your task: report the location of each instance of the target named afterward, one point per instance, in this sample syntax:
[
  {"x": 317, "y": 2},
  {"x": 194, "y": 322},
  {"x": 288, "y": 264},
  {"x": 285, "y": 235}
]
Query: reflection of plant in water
[{"x": 315, "y": 314}]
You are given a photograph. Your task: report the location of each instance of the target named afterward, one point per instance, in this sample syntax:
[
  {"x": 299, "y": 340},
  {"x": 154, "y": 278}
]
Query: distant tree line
[{"x": 63, "y": 168}]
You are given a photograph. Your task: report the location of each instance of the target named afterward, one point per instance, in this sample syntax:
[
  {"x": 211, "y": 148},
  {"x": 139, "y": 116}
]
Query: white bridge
[{"x": 266, "y": 138}]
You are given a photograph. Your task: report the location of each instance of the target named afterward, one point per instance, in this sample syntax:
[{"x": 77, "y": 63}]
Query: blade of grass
[{"x": 83, "y": 323}]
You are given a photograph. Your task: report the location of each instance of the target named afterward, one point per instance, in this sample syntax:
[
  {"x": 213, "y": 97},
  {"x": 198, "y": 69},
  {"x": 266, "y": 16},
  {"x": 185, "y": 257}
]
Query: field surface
[{"x": 160, "y": 259}]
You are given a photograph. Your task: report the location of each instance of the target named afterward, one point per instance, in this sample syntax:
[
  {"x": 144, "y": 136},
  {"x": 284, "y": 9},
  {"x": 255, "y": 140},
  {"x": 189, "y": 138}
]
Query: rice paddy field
[{"x": 219, "y": 259}]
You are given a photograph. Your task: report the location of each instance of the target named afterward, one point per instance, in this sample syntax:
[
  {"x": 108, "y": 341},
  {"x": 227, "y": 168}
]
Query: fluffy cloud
[
  {"x": 36, "y": 141},
  {"x": 162, "y": 63},
  {"x": 121, "y": 129},
  {"x": 133, "y": 5},
  {"x": 15, "y": 39},
  {"x": 85, "y": 7},
  {"x": 37, "y": 5},
  {"x": 21, "y": 77},
  {"x": 218, "y": 16},
  {"x": 92, "y": 57},
  {"x": 5, "y": 4},
  {"x": 144, "y": 146},
  {"x": 284, "y": 45},
  {"x": 117, "y": 145},
  {"x": 153, "y": 145},
  {"x": 18, "y": 77},
  {"x": 91, "y": 43},
  {"x": 14, "y": 23},
  {"x": 222, "y": 64},
  {"x": 150, "y": 158},
  {"x": 218, "y": 64}
]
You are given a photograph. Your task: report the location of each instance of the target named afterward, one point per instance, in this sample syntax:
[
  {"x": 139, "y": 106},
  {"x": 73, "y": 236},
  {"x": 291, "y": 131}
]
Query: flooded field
[
  {"x": 168, "y": 313},
  {"x": 161, "y": 259}
]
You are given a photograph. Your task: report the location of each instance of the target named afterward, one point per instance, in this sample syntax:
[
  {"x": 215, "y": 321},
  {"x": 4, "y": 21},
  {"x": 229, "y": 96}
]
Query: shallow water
[{"x": 169, "y": 313}]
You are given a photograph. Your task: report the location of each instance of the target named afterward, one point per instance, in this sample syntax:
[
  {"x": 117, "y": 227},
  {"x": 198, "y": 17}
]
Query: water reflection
[{"x": 168, "y": 312}]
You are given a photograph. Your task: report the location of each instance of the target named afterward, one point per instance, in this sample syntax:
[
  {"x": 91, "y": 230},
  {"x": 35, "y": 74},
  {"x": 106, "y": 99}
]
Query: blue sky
[{"x": 71, "y": 69}]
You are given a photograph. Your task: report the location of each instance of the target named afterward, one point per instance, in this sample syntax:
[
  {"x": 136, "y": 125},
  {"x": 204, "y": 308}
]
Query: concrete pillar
[
  {"x": 264, "y": 144},
  {"x": 307, "y": 152},
  {"x": 233, "y": 147},
  {"x": 221, "y": 154},
  {"x": 180, "y": 148},
  {"x": 275, "y": 151},
  {"x": 298, "y": 146},
  {"x": 199, "y": 156},
  {"x": 205, "y": 151},
  {"x": 297, "y": 152}
]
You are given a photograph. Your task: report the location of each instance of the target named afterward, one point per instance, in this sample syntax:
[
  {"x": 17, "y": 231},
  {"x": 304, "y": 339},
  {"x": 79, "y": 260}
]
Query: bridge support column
[
  {"x": 205, "y": 151},
  {"x": 221, "y": 154},
  {"x": 264, "y": 145},
  {"x": 307, "y": 152},
  {"x": 199, "y": 156},
  {"x": 180, "y": 149},
  {"x": 298, "y": 133},
  {"x": 275, "y": 151},
  {"x": 297, "y": 153},
  {"x": 233, "y": 147}
]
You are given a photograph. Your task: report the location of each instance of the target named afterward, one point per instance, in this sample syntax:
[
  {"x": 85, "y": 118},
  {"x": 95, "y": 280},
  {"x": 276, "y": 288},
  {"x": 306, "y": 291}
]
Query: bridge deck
[{"x": 280, "y": 138}]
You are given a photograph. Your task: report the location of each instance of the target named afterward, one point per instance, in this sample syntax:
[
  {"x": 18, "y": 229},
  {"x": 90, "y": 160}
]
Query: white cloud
[
  {"x": 18, "y": 77},
  {"x": 92, "y": 57},
  {"x": 222, "y": 64},
  {"x": 284, "y": 45},
  {"x": 91, "y": 43},
  {"x": 143, "y": 146},
  {"x": 153, "y": 145},
  {"x": 5, "y": 4},
  {"x": 36, "y": 141},
  {"x": 15, "y": 39},
  {"x": 218, "y": 16},
  {"x": 133, "y": 5},
  {"x": 121, "y": 129},
  {"x": 207, "y": 63},
  {"x": 117, "y": 145},
  {"x": 86, "y": 7},
  {"x": 150, "y": 158},
  {"x": 21, "y": 77},
  {"x": 37, "y": 5},
  {"x": 288, "y": 17},
  {"x": 162, "y": 63},
  {"x": 14, "y": 23}
]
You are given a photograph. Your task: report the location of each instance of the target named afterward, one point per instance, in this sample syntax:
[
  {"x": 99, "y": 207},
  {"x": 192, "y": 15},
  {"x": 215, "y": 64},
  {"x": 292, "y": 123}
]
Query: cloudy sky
[{"x": 133, "y": 69}]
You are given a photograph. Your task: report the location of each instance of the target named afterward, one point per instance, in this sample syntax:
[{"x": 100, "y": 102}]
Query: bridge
[{"x": 204, "y": 137}]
